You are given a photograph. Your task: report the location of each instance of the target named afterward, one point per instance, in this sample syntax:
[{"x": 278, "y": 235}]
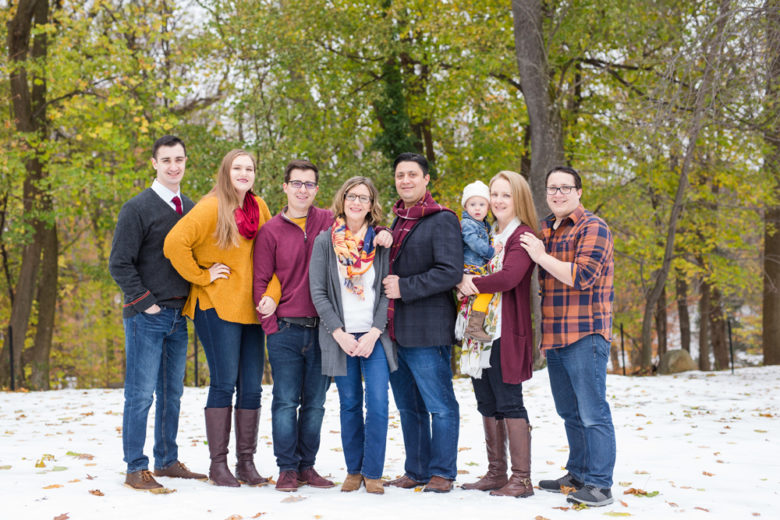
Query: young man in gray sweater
[{"x": 155, "y": 330}]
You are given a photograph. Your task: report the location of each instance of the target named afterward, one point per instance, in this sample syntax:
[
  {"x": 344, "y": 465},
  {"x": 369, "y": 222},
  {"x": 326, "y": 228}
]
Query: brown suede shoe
[
  {"x": 287, "y": 481},
  {"x": 403, "y": 482},
  {"x": 179, "y": 470},
  {"x": 438, "y": 485},
  {"x": 374, "y": 485},
  {"x": 311, "y": 477},
  {"x": 142, "y": 480},
  {"x": 352, "y": 482}
]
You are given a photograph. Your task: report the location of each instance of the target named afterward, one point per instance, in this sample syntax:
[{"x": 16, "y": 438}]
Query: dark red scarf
[
  {"x": 248, "y": 216},
  {"x": 407, "y": 219}
]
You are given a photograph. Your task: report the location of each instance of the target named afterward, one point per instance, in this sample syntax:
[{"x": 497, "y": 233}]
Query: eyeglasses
[
  {"x": 297, "y": 185},
  {"x": 365, "y": 199},
  {"x": 551, "y": 190}
]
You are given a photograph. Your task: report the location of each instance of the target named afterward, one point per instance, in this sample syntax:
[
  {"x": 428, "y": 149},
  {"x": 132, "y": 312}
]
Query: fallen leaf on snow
[
  {"x": 672, "y": 504},
  {"x": 540, "y": 517},
  {"x": 53, "y": 486},
  {"x": 162, "y": 491},
  {"x": 74, "y": 481},
  {"x": 90, "y": 477},
  {"x": 568, "y": 489},
  {"x": 296, "y": 498},
  {"x": 707, "y": 474},
  {"x": 562, "y": 508},
  {"x": 464, "y": 448},
  {"x": 623, "y": 503},
  {"x": 96, "y": 492},
  {"x": 640, "y": 472},
  {"x": 235, "y": 517},
  {"x": 63, "y": 516},
  {"x": 463, "y": 472},
  {"x": 639, "y": 492},
  {"x": 702, "y": 509},
  {"x": 616, "y": 513},
  {"x": 624, "y": 484},
  {"x": 7, "y": 466},
  {"x": 550, "y": 463},
  {"x": 258, "y": 515}
]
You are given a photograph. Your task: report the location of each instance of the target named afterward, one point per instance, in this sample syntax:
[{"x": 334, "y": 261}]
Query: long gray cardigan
[{"x": 325, "y": 291}]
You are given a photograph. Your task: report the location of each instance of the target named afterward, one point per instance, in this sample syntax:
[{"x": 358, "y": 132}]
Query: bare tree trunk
[
  {"x": 28, "y": 101},
  {"x": 718, "y": 331},
  {"x": 683, "y": 317},
  {"x": 545, "y": 125},
  {"x": 543, "y": 114},
  {"x": 770, "y": 339},
  {"x": 705, "y": 93},
  {"x": 704, "y": 327},
  {"x": 47, "y": 306},
  {"x": 660, "y": 325}
]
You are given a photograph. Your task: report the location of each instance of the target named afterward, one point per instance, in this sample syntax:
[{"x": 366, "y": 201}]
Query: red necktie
[{"x": 177, "y": 202}]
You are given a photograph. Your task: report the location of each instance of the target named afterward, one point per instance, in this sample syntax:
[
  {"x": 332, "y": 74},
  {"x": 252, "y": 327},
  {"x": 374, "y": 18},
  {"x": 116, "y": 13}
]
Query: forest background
[{"x": 669, "y": 108}]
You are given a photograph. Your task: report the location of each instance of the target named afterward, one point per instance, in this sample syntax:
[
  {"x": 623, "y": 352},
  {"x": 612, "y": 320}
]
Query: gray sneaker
[
  {"x": 554, "y": 486},
  {"x": 591, "y": 496}
]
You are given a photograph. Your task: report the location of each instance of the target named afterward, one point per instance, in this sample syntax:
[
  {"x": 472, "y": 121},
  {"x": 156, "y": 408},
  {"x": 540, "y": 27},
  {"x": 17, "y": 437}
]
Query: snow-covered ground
[{"x": 704, "y": 445}]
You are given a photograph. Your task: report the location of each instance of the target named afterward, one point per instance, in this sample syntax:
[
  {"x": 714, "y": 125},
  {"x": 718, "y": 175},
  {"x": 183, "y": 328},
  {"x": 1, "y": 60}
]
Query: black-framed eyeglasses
[
  {"x": 365, "y": 199},
  {"x": 552, "y": 190},
  {"x": 297, "y": 185}
]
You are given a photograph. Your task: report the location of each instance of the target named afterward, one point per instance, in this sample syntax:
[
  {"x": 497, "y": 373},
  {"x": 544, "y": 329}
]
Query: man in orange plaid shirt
[{"x": 575, "y": 277}]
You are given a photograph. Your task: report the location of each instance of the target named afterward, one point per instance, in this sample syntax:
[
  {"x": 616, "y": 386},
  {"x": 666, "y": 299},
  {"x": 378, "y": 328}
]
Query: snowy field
[{"x": 699, "y": 445}]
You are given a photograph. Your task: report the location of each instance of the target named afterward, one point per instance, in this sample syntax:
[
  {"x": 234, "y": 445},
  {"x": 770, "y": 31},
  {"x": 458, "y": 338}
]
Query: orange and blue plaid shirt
[{"x": 571, "y": 313}]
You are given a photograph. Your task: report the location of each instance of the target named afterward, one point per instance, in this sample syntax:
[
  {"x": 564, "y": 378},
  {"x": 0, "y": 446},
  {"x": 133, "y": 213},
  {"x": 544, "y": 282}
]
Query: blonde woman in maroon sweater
[{"x": 498, "y": 384}]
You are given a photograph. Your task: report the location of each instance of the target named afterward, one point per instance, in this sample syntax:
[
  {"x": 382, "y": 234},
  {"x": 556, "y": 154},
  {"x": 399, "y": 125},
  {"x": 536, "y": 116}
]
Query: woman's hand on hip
[{"x": 219, "y": 271}]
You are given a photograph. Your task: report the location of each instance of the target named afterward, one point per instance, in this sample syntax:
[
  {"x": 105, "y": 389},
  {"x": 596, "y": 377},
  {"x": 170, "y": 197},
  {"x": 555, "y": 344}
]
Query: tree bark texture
[
  {"x": 660, "y": 325},
  {"x": 718, "y": 332},
  {"x": 704, "y": 327},
  {"x": 545, "y": 124},
  {"x": 28, "y": 104},
  {"x": 770, "y": 339},
  {"x": 683, "y": 317},
  {"x": 47, "y": 306}
]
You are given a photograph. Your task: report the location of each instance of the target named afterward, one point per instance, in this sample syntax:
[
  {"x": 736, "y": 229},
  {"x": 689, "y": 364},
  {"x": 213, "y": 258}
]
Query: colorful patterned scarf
[
  {"x": 354, "y": 255},
  {"x": 406, "y": 219},
  {"x": 248, "y": 216}
]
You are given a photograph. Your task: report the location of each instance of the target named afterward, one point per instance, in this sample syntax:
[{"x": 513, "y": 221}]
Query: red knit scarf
[
  {"x": 407, "y": 219},
  {"x": 248, "y": 216}
]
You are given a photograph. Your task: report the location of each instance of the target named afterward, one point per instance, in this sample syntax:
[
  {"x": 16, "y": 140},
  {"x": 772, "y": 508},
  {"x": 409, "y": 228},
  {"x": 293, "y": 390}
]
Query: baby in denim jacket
[{"x": 477, "y": 251}]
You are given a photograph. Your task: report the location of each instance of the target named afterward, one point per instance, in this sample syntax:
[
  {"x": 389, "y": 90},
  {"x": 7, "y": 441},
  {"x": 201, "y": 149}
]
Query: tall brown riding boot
[
  {"x": 519, "y": 485},
  {"x": 218, "y": 435},
  {"x": 247, "y": 422},
  {"x": 495, "y": 440},
  {"x": 474, "y": 327}
]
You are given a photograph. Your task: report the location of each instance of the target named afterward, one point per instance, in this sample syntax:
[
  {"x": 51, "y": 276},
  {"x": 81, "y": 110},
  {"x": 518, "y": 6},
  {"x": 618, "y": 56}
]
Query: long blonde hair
[
  {"x": 522, "y": 199},
  {"x": 228, "y": 200}
]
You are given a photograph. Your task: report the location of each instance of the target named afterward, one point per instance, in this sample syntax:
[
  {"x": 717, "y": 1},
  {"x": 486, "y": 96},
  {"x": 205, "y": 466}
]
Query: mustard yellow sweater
[{"x": 192, "y": 248}]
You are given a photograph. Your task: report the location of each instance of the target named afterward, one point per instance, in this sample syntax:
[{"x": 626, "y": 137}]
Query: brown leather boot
[
  {"x": 474, "y": 328},
  {"x": 495, "y": 440},
  {"x": 519, "y": 485},
  {"x": 247, "y": 422},
  {"x": 218, "y": 435}
]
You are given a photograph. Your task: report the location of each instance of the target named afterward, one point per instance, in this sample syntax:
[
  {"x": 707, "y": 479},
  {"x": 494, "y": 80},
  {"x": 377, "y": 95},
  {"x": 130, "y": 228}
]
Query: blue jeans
[
  {"x": 364, "y": 443},
  {"x": 298, "y": 403},
  {"x": 234, "y": 352},
  {"x": 578, "y": 380},
  {"x": 430, "y": 416},
  {"x": 156, "y": 356}
]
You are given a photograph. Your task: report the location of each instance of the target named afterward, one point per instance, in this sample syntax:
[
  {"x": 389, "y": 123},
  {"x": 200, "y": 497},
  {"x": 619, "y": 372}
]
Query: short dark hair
[
  {"x": 566, "y": 169},
  {"x": 413, "y": 157},
  {"x": 167, "y": 140},
  {"x": 301, "y": 164}
]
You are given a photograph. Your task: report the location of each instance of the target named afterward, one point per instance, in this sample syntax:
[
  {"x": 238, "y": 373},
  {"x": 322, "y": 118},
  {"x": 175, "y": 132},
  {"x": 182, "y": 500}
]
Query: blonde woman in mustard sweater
[{"x": 211, "y": 247}]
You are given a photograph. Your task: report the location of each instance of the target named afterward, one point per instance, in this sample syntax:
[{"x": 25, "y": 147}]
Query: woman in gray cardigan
[{"x": 345, "y": 279}]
